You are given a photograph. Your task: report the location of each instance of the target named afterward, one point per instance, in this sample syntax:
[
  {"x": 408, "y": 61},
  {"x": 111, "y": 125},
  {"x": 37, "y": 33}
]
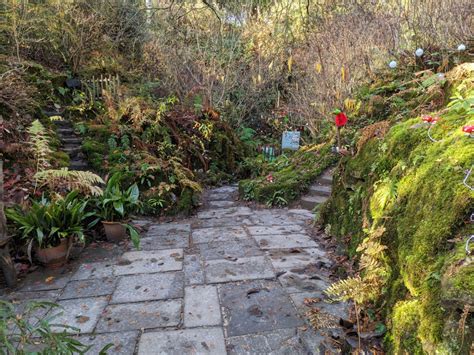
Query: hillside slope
[{"x": 412, "y": 186}]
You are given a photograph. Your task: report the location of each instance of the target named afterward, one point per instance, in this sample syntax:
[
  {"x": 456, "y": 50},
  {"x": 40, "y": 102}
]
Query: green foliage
[
  {"x": 30, "y": 331},
  {"x": 285, "y": 178},
  {"x": 46, "y": 222},
  {"x": 39, "y": 141},
  {"x": 413, "y": 187},
  {"x": 85, "y": 182},
  {"x": 116, "y": 202}
]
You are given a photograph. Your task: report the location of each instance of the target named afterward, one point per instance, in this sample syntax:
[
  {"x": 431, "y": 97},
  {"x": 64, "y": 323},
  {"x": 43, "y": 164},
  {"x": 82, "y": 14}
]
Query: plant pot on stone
[
  {"x": 114, "y": 207},
  {"x": 50, "y": 227}
]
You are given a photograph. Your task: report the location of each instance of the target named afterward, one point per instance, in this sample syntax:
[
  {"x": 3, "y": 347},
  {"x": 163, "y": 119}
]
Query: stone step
[
  {"x": 71, "y": 140},
  {"x": 72, "y": 150},
  {"x": 320, "y": 190},
  {"x": 63, "y": 124},
  {"x": 53, "y": 112},
  {"x": 66, "y": 131},
  {"x": 78, "y": 165},
  {"x": 309, "y": 202},
  {"x": 325, "y": 178}
]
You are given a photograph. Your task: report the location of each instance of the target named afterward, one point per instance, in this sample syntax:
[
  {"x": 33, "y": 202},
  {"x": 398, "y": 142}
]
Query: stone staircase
[
  {"x": 319, "y": 192},
  {"x": 71, "y": 144}
]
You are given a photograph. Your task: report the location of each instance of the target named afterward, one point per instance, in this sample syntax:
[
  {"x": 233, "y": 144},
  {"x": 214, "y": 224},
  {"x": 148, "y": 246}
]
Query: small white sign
[{"x": 291, "y": 140}]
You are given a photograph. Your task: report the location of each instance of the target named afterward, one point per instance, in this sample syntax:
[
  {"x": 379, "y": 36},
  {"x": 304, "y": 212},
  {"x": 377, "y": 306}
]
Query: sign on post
[{"x": 291, "y": 140}]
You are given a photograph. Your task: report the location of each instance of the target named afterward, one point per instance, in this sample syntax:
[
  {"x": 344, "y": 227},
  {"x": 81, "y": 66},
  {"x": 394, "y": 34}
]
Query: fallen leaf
[{"x": 82, "y": 319}]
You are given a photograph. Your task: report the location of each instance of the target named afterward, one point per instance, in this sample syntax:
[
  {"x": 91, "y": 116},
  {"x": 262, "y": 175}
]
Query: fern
[
  {"x": 373, "y": 274},
  {"x": 84, "y": 181},
  {"x": 39, "y": 141},
  {"x": 184, "y": 175}
]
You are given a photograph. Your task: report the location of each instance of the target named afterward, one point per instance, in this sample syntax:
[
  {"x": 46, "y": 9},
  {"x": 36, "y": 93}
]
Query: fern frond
[
  {"x": 84, "y": 181},
  {"x": 39, "y": 141}
]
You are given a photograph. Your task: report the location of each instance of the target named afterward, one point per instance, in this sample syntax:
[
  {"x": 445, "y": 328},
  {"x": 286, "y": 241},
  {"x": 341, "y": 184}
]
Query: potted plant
[
  {"x": 113, "y": 208},
  {"x": 51, "y": 226}
]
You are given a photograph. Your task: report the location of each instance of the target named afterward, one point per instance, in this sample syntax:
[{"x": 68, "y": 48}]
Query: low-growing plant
[
  {"x": 46, "y": 223},
  {"x": 31, "y": 331},
  {"x": 116, "y": 204}
]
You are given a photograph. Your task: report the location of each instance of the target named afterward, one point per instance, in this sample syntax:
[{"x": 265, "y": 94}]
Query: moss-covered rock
[{"x": 414, "y": 188}]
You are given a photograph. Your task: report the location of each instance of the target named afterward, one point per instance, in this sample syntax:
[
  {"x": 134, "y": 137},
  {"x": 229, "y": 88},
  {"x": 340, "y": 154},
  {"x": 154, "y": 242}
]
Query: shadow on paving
[{"x": 233, "y": 279}]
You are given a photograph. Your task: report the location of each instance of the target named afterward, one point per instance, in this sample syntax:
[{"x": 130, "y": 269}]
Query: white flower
[
  {"x": 441, "y": 76},
  {"x": 462, "y": 47},
  {"x": 392, "y": 64},
  {"x": 419, "y": 52}
]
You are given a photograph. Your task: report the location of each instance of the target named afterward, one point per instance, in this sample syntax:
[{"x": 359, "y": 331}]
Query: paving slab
[
  {"x": 225, "y": 212},
  {"x": 221, "y": 204},
  {"x": 296, "y": 282},
  {"x": 281, "y": 341},
  {"x": 134, "y": 316},
  {"x": 170, "y": 241},
  {"x": 256, "y": 306},
  {"x": 201, "y": 306},
  {"x": 146, "y": 287},
  {"x": 219, "y": 234},
  {"x": 18, "y": 296},
  {"x": 222, "y": 222},
  {"x": 146, "y": 262},
  {"x": 223, "y": 189},
  {"x": 193, "y": 270},
  {"x": 250, "y": 268},
  {"x": 81, "y": 313},
  {"x": 168, "y": 228},
  {"x": 272, "y": 230},
  {"x": 269, "y": 219},
  {"x": 297, "y": 258},
  {"x": 284, "y": 241},
  {"x": 336, "y": 309},
  {"x": 95, "y": 270},
  {"x": 88, "y": 288},
  {"x": 187, "y": 341},
  {"x": 230, "y": 249},
  {"x": 123, "y": 343},
  {"x": 47, "y": 280},
  {"x": 222, "y": 196}
]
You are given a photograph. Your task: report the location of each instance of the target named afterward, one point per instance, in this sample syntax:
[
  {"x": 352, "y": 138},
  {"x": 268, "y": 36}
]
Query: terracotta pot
[
  {"x": 54, "y": 257},
  {"x": 114, "y": 231}
]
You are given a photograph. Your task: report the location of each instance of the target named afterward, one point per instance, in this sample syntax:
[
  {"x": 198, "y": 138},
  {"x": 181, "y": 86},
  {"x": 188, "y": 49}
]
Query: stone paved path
[{"x": 231, "y": 280}]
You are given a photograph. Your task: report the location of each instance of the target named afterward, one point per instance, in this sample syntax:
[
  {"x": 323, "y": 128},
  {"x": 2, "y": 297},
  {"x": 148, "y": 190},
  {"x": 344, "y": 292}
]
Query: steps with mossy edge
[
  {"x": 319, "y": 191},
  {"x": 71, "y": 144}
]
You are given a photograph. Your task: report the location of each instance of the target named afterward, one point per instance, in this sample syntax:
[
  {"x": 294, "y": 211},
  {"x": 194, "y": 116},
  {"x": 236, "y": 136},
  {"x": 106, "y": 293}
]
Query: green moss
[
  {"x": 413, "y": 187},
  {"x": 405, "y": 321},
  {"x": 187, "y": 201},
  {"x": 286, "y": 178},
  {"x": 61, "y": 159},
  {"x": 95, "y": 153}
]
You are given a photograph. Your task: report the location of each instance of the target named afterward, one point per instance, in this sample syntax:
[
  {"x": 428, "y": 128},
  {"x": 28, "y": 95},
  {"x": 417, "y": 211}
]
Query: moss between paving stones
[{"x": 413, "y": 187}]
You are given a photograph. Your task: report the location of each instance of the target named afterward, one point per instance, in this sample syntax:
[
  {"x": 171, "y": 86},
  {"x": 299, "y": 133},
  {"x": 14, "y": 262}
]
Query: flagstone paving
[{"x": 231, "y": 280}]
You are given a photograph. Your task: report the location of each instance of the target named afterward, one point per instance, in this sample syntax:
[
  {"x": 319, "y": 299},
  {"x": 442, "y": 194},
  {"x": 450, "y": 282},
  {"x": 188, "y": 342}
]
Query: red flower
[
  {"x": 430, "y": 119},
  {"x": 341, "y": 119},
  {"x": 469, "y": 129},
  {"x": 269, "y": 178}
]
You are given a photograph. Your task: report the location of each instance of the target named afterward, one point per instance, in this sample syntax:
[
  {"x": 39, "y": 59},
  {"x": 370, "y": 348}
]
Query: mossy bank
[{"x": 412, "y": 185}]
